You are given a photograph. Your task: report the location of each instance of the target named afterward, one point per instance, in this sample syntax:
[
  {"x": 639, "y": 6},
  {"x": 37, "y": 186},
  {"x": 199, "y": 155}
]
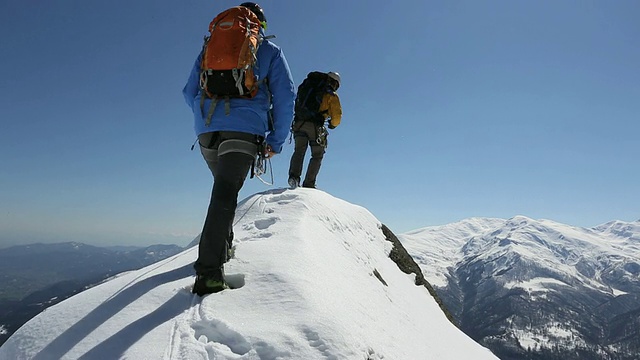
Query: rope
[
  {"x": 247, "y": 211},
  {"x": 260, "y": 169}
]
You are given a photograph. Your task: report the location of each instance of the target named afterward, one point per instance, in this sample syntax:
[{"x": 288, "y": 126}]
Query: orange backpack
[{"x": 229, "y": 55}]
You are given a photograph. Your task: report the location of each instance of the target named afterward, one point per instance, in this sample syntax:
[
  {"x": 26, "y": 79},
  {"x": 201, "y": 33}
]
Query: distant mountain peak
[{"x": 506, "y": 284}]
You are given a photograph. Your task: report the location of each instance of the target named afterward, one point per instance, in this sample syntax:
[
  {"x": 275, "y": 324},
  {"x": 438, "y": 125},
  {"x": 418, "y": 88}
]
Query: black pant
[
  {"x": 305, "y": 135},
  {"x": 229, "y": 172}
]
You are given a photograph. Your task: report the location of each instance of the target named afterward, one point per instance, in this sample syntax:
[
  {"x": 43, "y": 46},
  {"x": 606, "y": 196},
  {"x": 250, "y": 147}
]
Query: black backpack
[{"x": 309, "y": 98}]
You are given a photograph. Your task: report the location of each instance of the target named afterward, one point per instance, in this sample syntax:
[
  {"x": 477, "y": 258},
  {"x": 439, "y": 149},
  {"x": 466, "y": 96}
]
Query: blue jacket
[{"x": 250, "y": 115}]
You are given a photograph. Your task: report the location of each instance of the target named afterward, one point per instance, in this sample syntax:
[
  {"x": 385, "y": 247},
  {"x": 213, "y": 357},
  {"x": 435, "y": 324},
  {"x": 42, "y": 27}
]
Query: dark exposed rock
[{"x": 407, "y": 265}]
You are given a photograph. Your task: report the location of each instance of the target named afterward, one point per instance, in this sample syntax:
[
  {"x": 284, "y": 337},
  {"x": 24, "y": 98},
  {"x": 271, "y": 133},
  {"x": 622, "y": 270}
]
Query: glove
[
  {"x": 268, "y": 152},
  {"x": 330, "y": 126}
]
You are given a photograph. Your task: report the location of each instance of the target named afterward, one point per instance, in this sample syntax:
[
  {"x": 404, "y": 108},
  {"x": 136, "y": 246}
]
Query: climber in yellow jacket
[{"x": 316, "y": 104}]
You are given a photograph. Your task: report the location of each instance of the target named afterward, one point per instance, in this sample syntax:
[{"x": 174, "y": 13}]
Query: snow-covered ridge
[{"x": 308, "y": 268}]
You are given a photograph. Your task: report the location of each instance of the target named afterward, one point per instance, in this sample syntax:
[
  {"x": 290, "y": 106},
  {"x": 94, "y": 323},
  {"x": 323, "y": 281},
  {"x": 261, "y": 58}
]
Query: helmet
[
  {"x": 256, "y": 9},
  {"x": 336, "y": 77}
]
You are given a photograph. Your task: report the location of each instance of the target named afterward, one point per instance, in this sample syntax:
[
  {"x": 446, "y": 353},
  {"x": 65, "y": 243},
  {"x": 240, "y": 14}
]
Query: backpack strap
[
  {"x": 212, "y": 107},
  {"x": 227, "y": 106},
  {"x": 239, "y": 78}
]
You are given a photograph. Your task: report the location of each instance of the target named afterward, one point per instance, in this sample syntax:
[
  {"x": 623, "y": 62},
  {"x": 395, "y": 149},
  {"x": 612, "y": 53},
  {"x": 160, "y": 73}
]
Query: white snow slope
[{"x": 304, "y": 267}]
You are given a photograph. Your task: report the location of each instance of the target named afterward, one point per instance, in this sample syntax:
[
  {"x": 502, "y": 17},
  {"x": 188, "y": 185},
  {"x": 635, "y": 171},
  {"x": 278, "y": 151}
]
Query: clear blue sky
[{"x": 452, "y": 109}]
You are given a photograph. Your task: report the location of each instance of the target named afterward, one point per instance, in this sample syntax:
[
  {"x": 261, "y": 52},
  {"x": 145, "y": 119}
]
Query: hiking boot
[
  {"x": 208, "y": 284},
  {"x": 310, "y": 186},
  {"x": 294, "y": 182}
]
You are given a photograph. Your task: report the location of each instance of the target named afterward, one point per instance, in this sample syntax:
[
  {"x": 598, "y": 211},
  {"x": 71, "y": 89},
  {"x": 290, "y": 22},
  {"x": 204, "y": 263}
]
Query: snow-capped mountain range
[{"x": 537, "y": 288}]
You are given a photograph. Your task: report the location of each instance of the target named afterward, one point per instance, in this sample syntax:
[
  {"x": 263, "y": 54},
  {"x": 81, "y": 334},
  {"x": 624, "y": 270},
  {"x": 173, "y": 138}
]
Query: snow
[
  {"x": 304, "y": 267},
  {"x": 542, "y": 257},
  {"x": 617, "y": 292},
  {"x": 3, "y": 330},
  {"x": 553, "y": 245},
  {"x": 536, "y": 287},
  {"x": 535, "y": 284},
  {"x": 445, "y": 241},
  {"x": 546, "y": 336}
]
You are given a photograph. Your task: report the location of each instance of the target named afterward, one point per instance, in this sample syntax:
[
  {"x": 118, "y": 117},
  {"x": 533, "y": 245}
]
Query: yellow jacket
[{"x": 330, "y": 107}]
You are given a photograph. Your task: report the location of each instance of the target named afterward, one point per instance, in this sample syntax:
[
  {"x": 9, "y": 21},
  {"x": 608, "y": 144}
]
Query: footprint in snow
[
  {"x": 316, "y": 342},
  {"x": 282, "y": 199},
  {"x": 235, "y": 281},
  {"x": 265, "y": 223},
  {"x": 216, "y": 332}
]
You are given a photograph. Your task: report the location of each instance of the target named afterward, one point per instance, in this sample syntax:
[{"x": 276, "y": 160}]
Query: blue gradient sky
[{"x": 452, "y": 109}]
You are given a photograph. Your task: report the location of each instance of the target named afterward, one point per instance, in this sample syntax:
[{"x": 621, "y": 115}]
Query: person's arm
[
  {"x": 283, "y": 97},
  {"x": 192, "y": 88}
]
